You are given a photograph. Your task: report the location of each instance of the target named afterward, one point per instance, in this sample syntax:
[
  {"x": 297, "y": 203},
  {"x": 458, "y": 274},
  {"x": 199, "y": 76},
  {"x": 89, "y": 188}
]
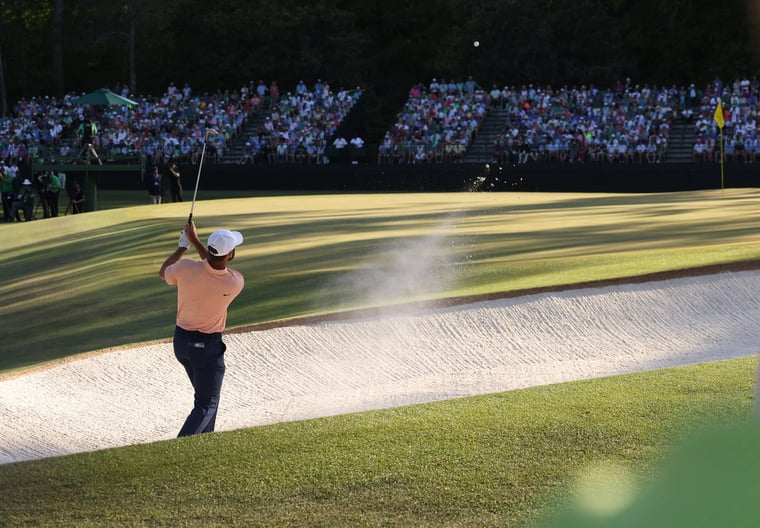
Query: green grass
[
  {"x": 85, "y": 282},
  {"x": 496, "y": 460}
]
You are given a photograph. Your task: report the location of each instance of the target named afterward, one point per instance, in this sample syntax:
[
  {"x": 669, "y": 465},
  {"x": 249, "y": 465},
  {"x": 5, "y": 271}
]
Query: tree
[{"x": 57, "y": 51}]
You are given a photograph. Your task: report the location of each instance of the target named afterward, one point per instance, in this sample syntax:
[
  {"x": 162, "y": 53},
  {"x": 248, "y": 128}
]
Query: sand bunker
[{"x": 141, "y": 394}]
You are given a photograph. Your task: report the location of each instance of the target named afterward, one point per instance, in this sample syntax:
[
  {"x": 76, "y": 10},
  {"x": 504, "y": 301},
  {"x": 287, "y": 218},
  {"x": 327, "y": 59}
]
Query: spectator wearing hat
[{"x": 24, "y": 202}]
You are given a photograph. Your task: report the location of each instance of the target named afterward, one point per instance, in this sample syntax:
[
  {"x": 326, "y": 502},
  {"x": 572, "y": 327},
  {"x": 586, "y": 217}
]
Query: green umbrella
[{"x": 103, "y": 97}]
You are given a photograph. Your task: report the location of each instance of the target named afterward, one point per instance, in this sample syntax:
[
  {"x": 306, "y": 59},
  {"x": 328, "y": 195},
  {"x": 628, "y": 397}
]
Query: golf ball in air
[{"x": 476, "y": 43}]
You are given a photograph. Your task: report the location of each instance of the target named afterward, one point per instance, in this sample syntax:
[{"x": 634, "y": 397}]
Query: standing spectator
[
  {"x": 261, "y": 90},
  {"x": 255, "y": 103},
  {"x": 175, "y": 183},
  {"x": 154, "y": 186},
  {"x": 54, "y": 190},
  {"x": 43, "y": 181},
  {"x": 495, "y": 96},
  {"x": 274, "y": 94},
  {"x": 357, "y": 148},
  {"x": 6, "y": 188},
  {"x": 86, "y": 132},
  {"x": 339, "y": 148},
  {"x": 340, "y": 143}
]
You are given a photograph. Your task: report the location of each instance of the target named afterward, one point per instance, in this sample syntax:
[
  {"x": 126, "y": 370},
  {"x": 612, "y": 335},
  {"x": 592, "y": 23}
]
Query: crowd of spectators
[
  {"x": 438, "y": 123},
  {"x": 740, "y": 101},
  {"x": 626, "y": 124},
  {"x": 173, "y": 126},
  {"x": 300, "y": 125}
]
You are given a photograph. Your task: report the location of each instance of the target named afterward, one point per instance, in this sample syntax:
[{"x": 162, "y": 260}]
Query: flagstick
[
  {"x": 721, "y": 159},
  {"x": 718, "y": 118}
]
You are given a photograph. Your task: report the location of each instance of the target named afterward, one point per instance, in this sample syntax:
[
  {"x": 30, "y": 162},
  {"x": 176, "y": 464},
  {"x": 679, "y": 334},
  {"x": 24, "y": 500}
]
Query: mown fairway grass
[
  {"x": 491, "y": 461},
  {"x": 86, "y": 282},
  {"x": 81, "y": 283}
]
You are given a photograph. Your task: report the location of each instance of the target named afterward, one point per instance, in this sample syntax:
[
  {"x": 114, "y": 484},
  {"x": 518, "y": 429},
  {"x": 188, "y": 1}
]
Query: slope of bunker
[{"x": 141, "y": 394}]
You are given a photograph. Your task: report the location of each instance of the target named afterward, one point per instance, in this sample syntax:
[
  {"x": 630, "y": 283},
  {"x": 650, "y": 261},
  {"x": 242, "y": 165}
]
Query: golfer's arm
[
  {"x": 174, "y": 257},
  {"x": 199, "y": 247},
  {"x": 192, "y": 236}
]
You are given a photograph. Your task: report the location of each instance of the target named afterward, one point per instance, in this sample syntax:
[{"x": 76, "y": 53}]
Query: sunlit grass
[
  {"x": 490, "y": 461},
  {"x": 84, "y": 282},
  {"x": 80, "y": 283}
]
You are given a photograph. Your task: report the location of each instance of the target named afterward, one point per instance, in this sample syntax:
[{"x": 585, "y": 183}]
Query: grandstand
[
  {"x": 462, "y": 123},
  {"x": 442, "y": 123}
]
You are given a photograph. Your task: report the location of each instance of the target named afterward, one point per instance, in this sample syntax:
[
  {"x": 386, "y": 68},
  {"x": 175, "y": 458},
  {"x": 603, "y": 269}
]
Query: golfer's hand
[
  {"x": 190, "y": 230},
  {"x": 184, "y": 242}
]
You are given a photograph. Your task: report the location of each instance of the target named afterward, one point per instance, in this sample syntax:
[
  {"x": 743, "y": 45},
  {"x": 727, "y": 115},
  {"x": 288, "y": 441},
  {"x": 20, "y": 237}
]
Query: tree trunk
[
  {"x": 3, "y": 91},
  {"x": 131, "y": 44},
  {"x": 57, "y": 59},
  {"x": 3, "y": 94}
]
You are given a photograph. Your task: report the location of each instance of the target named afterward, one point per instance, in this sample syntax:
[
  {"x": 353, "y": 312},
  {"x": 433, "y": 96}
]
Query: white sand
[{"x": 141, "y": 394}]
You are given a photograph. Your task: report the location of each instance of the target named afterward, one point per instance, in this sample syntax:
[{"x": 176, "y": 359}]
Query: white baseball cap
[{"x": 222, "y": 241}]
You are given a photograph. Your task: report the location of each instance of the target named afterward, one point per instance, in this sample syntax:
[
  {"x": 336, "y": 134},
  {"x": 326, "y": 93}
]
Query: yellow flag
[{"x": 718, "y": 116}]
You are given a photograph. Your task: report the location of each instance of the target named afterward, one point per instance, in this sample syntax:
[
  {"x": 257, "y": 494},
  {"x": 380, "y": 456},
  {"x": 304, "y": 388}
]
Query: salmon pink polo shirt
[{"x": 203, "y": 294}]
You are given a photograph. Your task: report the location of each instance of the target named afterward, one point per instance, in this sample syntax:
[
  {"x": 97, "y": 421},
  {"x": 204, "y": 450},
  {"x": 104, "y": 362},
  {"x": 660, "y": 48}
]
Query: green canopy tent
[{"x": 103, "y": 97}]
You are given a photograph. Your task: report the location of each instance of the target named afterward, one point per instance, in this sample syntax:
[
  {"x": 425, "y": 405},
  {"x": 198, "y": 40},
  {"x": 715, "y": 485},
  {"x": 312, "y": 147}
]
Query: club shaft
[
  {"x": 200, "y": 166},
  {"x": 197, "y": 181}
]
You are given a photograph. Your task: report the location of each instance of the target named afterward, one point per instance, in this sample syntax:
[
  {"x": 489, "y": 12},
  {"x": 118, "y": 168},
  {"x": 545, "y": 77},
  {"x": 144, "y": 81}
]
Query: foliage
[{"x": 383, "y": 46}]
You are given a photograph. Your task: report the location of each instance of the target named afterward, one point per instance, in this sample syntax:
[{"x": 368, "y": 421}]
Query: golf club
[{"x": 200, "y": 166}]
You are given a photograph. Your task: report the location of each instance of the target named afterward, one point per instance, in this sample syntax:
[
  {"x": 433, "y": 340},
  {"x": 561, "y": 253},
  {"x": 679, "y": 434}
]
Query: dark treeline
[{"x": 52, "y": 47}]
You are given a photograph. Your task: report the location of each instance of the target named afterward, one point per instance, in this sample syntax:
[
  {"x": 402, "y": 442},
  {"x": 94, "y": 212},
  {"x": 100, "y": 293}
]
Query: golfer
[{"x": 205, "y": 288}]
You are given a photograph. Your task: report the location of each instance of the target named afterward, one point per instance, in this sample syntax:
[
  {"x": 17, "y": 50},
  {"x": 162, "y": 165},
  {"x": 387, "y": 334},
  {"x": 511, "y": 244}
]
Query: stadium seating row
[{"x": 439, "y": 123}]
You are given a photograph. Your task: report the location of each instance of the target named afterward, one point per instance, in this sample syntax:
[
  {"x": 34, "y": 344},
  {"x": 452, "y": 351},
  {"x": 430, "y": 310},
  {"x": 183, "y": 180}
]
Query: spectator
[
  {"x": 153, "y": 182},
  {"x": 50, "y": 188},
  {"x": 86, "y": 132},
  {"x": 24, "y": 201},
  {"x": 6, "y": 188},
  {"x": 443, "y": 123},
  {"x": 274, "y": 94},
  {"x": 175, "y": 182},
  {"x": 261, "y": 90},
  {"x": 77, "y": 200}
]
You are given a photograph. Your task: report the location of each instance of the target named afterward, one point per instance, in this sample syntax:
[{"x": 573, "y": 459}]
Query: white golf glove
[{"x": 184, "y": 242}]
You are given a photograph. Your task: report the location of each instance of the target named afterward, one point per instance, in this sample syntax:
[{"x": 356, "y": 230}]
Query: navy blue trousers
[{"x": 202, "y": 355}]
